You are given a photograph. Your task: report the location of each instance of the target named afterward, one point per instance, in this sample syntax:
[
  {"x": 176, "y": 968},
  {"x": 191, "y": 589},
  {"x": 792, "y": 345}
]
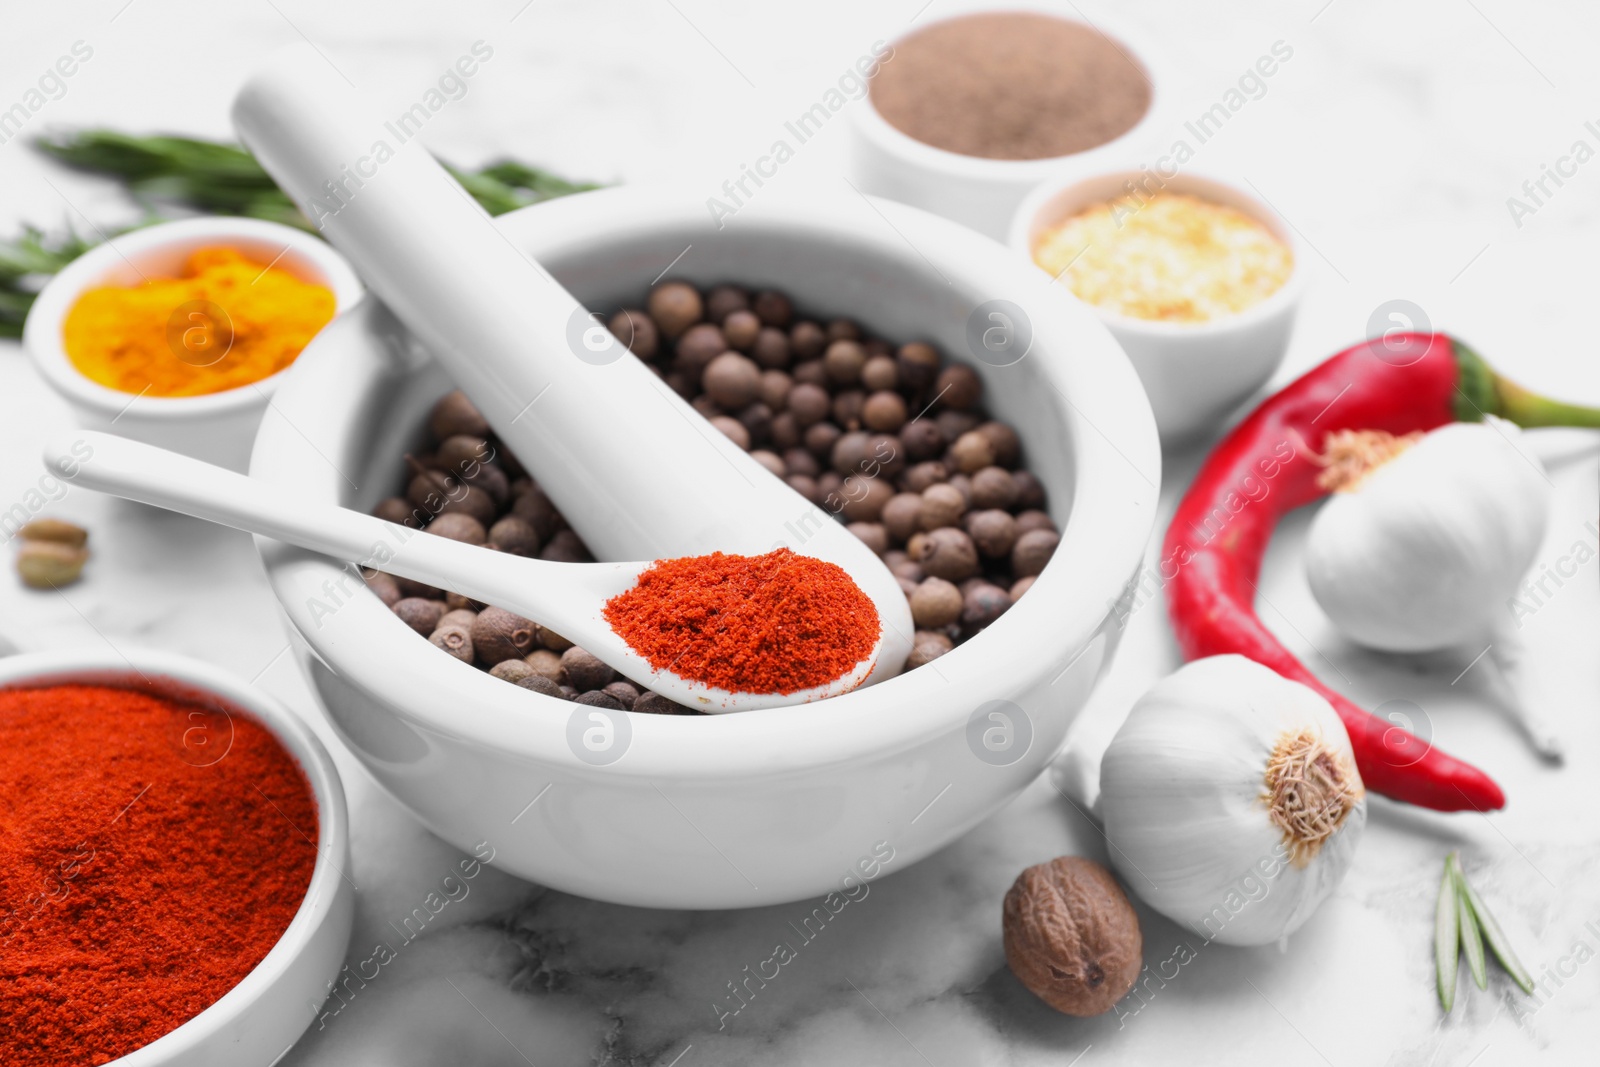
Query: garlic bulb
[
  {"x": 1425, "y": 550},
  {"x": 1231, "y": 800}
]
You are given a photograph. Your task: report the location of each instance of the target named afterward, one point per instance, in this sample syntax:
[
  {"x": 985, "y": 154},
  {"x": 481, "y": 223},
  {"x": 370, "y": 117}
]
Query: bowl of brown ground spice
[{"x": 967, "y": 114}]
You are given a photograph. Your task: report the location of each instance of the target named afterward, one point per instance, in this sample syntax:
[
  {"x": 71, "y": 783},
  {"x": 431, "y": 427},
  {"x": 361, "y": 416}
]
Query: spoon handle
[{"x": 152, "y": 475}]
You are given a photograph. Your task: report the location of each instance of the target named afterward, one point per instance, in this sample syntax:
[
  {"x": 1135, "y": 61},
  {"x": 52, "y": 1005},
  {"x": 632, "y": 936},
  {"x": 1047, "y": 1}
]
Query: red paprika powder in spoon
[
  {"x": 776, "y": 623},
  {"x": 152, "y": 851}
]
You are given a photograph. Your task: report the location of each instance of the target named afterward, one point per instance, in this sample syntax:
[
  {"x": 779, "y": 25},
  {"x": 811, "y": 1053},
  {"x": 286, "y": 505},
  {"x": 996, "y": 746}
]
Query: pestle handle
[{"x": 636, "y": 471}]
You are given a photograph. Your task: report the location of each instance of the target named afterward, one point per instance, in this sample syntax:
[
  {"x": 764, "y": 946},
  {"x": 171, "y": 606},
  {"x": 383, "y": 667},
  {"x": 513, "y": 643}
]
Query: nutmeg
[{"x": 1071, "y": 936}]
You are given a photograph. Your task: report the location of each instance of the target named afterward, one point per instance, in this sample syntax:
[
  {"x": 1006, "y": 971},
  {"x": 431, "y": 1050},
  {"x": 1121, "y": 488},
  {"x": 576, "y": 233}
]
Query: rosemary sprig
[
  {"x": 211, "y": 177},
  {"x": 1447, "y": 938},
  {"x": 23, "y": 261},
  {"x": 1462, "y": 925}
]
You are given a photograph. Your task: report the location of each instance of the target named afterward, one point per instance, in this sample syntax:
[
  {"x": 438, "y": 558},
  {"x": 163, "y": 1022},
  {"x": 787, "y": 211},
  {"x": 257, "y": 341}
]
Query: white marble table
[{"x": 1391, "y": 140}]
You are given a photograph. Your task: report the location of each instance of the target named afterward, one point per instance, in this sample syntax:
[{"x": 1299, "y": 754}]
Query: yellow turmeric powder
[{"x": 224, "y": 322}]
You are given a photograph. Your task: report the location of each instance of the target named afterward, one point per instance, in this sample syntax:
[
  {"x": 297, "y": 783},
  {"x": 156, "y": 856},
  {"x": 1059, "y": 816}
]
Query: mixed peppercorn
[{"x": 889, "y": 440}]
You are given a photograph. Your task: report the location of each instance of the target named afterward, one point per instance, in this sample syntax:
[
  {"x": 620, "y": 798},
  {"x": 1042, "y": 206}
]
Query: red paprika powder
[
  {"x": 152, "y": 851},
  {"x": 777, "y": 623}
]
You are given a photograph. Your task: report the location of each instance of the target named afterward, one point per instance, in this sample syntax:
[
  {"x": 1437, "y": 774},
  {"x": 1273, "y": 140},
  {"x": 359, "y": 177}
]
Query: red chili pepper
[{"x": 1268, "y": 465}]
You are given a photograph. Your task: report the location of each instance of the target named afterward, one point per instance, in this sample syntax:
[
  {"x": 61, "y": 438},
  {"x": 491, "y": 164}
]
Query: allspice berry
[
  {"x": 923, "y": 475},
  {"x": 584, "y": 671},
  {"x": 918, "y": 364},
  {"x": 880, "y": 372},
  {"x": 942, "y": 505},
  {"x": 454, "y": 414},
  {"x": 772, "y": 308},
  {"x": 384, "y": 585},
  {"x": 1032, "y": 551},
  {"x": 864, "y": 498},
  {"x": 958, "y": 387},
  {"x": 701, "y": 344},
  {"x": 543, "y": 661},
  {"x": 993, "y": 487},
  {"x": 458, "y": 526},
  {"x": 733, "y": 430},
  {"x": 981, "y": 604},
  {"x": 421, "y": 615},
  {"x": 807, "y": 340},
  {"x": 1071, "y": 936},
  {"x": 396, "y": 509},
  {"x": 902, "y": 516},
  {"x": 511, "y": 670},
  {"x": 884, "y": 411},
  {"x": 936, "y": 604},
  {"x": 458, "y": 617},
  {"x": 972, "y": 452},
  {"x": 993, "y": 531},
  {"x": 946, "y": 553},
  {"x": 741, "y": 328},
  {"x": 871, "y": 534},
  {"x": 652, "y": 703},
  {"x": 1033, "y": 519},
  {"x": 515, "y": 535},
  {"x": 809, "y": 403},
  {"x": 724, "y": 300},
  {"x": 772, "y": 349},
  {"x": 454, "y": 640},
  {"x": 541, "y": 685},
  {"x": 636, "y": 330},
  {"x": 499, "y": 635},
  {"x": 843, "y": 361},
  {"x": 921, "y": 440},
  {"x": 732, "y": 380},
  {"x": 625, "y": 693},
  {"x": 675, "y": 306},
  {"x": 927, "y": 646},
  {"x": 1005, "y": 442},
  {"x": 1020, "y": 586}
]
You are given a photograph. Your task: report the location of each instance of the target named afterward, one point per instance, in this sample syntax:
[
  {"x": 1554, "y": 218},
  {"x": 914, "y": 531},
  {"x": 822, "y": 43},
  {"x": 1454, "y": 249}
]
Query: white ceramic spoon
[
  {"x": 566, "y": 597},
  {"x": 635, "y": 470}
]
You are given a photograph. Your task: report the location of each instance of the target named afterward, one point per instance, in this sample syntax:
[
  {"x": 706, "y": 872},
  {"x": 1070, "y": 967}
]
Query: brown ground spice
[{"x": 1011, "y": 85}]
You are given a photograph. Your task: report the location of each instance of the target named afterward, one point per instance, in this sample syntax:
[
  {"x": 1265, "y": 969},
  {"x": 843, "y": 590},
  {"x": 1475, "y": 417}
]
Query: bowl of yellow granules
[
  {"x": 1196, "y": 277},
  {"x": 177, "y": 334}
]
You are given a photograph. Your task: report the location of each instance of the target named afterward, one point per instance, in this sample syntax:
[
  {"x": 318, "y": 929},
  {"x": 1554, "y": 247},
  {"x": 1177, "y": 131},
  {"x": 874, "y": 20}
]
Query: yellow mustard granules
[
  {"x": 224, "y": 322},
  {"x": 1171, "y": 258}
]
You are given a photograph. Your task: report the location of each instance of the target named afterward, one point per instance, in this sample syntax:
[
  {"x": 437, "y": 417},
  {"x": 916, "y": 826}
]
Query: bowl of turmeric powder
[{"x": 177, "y": 334}]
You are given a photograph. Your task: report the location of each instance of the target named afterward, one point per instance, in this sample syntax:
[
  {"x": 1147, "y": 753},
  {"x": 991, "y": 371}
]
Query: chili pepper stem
[
  {"x": 1530, "y": 409},
  {"x": 1484, "y": 391}
]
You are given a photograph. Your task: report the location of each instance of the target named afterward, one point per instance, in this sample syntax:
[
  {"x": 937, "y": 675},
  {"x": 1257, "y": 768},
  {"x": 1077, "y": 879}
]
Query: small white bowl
[
  {"x": 1194, "y": 373},
  {"x": 984, "y": 193},
  {"x": 254, "y": 1023},
  {"x": 218, "y": 427}
]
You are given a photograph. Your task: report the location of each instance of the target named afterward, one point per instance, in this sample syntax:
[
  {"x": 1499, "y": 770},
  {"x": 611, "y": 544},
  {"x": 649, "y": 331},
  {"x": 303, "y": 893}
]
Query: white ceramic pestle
[
  {"x": 636, "y": 471},
  {"x": 566, "y": 597}
]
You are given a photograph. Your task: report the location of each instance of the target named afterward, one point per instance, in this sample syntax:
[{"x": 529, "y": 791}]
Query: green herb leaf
[
  {"x": 1447, "y": 937},
  {"x": 211, "y": 177},
  {"x": 1471, "y": 939},
  {"x": 1496, "y": 938}
]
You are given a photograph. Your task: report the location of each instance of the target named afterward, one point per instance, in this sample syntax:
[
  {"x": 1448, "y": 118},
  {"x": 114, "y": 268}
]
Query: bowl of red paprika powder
[
  {"x": 174, "y": 872},
  {"x": 762, "y": 806}
]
